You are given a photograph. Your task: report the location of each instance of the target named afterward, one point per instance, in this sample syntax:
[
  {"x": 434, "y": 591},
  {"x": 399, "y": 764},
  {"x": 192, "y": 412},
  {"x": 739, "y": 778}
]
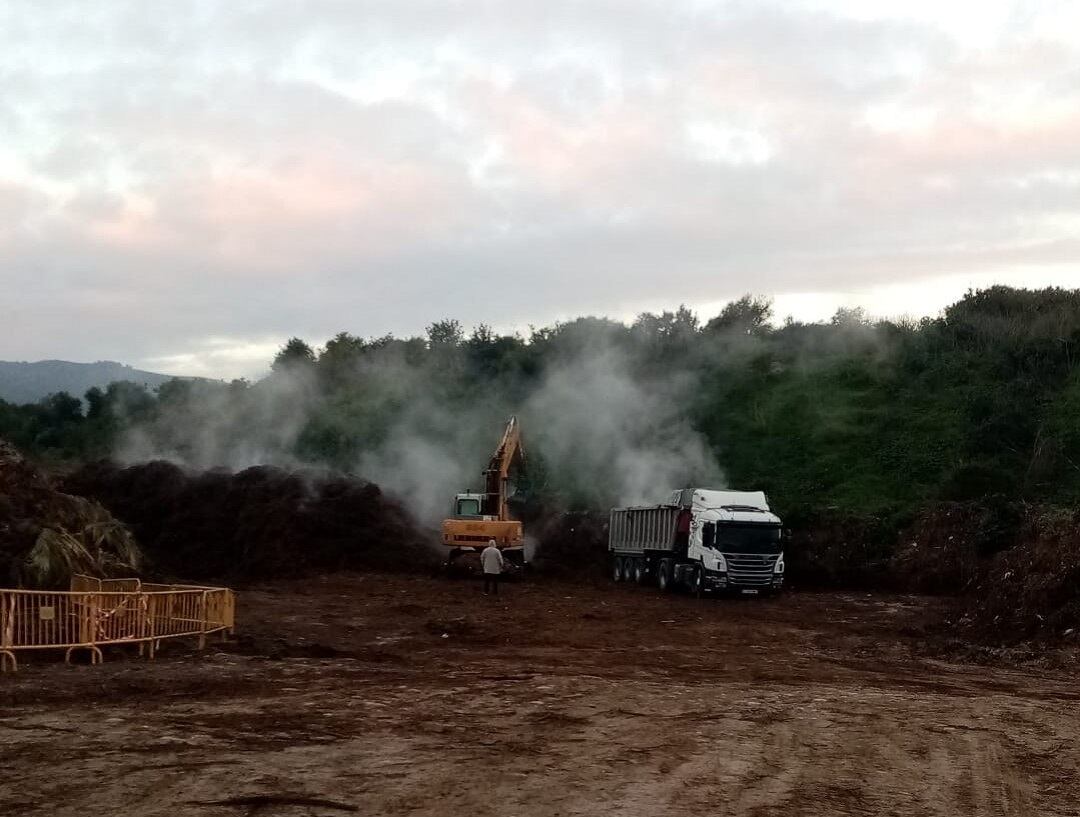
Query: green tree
[
  {"x": 294, "y": 354},
  {"x": 445, "y": 334},
  {"x": 749, "y": 315},
  {"x": 339, "y": 360},
  {"x": 61, "y": 408}
]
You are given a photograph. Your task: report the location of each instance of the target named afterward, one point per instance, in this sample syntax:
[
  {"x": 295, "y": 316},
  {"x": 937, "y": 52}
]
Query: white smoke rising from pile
[
  {"x": 600, "y": 433},
  {"x": 224, "y": 427},
  {"x": 598, "y": 425},
  {"x": 603, "y": 434}
]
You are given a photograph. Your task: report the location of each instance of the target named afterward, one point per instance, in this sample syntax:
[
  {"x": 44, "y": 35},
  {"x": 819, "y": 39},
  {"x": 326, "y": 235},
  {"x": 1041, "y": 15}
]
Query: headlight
[
  {"x": 779, "y": 566},
  {"x": 721, "y": 563}
]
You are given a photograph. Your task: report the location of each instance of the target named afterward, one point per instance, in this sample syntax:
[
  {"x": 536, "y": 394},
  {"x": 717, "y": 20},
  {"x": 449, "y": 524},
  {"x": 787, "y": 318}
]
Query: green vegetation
[{"x": 876, "y": 418}]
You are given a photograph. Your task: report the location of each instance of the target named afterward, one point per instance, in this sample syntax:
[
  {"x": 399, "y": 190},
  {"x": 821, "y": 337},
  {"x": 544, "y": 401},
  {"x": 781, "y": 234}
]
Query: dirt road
[{"x": 390, "y": 695}]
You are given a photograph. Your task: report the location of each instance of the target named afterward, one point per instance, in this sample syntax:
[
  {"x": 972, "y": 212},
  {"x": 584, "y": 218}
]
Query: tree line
[{"x": 868, "y": 416}]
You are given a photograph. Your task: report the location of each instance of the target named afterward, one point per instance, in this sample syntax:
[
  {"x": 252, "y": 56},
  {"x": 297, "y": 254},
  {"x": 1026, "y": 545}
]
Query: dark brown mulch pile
[
  {"x": 1030, "y": 591},
  {"x": 831, "y": 548},
  {"x": 948, "y": 546},
  {"x": 26, "y": 498},
  {"x": 260, "y": 522},
  {"x": 570, "y": 545}
]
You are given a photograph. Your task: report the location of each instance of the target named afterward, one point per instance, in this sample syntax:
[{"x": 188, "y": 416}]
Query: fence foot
[
  {"x": 7, "y": 658},
  {"x": 95, "y": 654}
]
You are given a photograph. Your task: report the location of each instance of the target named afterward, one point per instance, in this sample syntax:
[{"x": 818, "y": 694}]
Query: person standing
[{"x": 492, "y": 562}]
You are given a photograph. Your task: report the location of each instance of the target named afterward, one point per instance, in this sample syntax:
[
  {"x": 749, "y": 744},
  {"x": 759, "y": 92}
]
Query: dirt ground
[{"x": 395, "y": 695}]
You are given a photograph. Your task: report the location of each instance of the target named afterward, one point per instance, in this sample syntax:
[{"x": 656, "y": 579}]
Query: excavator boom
[{"x": 497, "y": 475}]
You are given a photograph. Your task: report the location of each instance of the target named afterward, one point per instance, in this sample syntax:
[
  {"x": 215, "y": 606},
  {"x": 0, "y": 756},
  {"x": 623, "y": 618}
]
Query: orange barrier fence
[{"x": 99, "y": 612}]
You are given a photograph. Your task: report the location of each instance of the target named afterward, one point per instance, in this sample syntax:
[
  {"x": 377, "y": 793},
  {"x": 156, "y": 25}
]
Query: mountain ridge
[{"x": 29, "y": 381}]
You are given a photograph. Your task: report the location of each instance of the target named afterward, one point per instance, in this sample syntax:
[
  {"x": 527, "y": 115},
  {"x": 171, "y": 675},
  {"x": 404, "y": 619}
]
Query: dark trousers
[{"x": 491, "y": 581}]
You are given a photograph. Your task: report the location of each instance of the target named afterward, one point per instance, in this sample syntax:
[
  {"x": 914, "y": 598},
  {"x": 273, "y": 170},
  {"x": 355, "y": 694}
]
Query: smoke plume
[{"x": 598, "y": 430}]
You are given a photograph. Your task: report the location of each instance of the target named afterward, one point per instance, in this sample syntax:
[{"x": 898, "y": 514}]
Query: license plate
[{"x": 750, "y": 592}]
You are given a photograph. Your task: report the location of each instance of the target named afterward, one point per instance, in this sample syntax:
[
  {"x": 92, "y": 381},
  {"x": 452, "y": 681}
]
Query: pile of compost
[
  {"x": 834, "y": 549},
  {"x": 262, "y": 522},
  {"x": 47, "y": 535},
  {"x": 949, "y": 545},
  {"x": 1031, "y": 590},
  {"x": 571, "y": 544}
]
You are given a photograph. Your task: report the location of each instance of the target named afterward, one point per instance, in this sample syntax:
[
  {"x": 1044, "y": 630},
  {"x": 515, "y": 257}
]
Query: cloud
[{"x": 253, "y": 171}]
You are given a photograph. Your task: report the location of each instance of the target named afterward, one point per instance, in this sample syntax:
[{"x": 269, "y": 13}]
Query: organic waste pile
[
  {"x": 258, "y": 523},
  {"x": 948, "y": 546},
  {"x": 834, "y": 549},
  {"x": 46, "y": 535},
  {"x": 1031, "y": 590},
  {"x": 572, "y": 544}
]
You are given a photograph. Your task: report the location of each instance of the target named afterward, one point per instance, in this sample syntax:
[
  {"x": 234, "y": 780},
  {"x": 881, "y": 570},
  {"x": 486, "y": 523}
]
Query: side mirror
[{"x": 786, "y": 535}]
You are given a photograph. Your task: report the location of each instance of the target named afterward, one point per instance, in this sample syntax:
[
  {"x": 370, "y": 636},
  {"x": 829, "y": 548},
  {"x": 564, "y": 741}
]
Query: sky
[{"x": 184, "y": 185}]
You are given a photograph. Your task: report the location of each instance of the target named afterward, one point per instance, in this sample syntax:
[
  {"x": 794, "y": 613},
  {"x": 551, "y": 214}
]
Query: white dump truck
[{"x": 702, "y": 539}]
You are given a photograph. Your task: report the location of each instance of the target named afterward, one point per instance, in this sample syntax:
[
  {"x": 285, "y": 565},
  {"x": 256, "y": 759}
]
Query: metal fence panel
[{"x": 98, "y": 612}]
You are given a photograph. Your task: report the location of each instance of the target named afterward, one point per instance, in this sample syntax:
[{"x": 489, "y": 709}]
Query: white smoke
[
  {"x": 600, "y": 432},
  {"x": 604, "y": 432},
  {"x": 212, "y": 426},
  {"x": 597, "y": 424}
]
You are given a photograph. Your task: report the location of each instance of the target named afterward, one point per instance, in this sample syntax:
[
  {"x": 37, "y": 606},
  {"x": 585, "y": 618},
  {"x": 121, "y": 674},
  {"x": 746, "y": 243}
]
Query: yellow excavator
[{"x": 479, "y": 517}]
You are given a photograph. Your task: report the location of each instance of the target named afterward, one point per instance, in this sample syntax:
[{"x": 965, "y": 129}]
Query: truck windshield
[
  {"x": 468, "y": 507},
  {"x": 748, "y": 539}
]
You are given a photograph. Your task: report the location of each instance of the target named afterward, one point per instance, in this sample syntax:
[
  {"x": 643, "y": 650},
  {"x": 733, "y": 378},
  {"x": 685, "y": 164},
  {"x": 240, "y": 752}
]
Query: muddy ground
[{"x": 393, "y": 695}]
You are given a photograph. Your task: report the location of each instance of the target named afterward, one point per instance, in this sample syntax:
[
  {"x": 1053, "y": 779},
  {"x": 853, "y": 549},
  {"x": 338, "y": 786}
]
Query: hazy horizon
[{"x": 804, "y": 307}]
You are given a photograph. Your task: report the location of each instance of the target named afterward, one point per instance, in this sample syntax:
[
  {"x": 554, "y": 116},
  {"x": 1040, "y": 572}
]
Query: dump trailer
[{"x": 701, "y": 540}]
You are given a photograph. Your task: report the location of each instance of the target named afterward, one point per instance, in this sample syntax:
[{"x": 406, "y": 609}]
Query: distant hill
[{"x": 22, "y": 382}]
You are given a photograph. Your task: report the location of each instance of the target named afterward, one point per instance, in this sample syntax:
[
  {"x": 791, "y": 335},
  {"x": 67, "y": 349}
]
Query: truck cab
[{"x": 736, "y": 539}]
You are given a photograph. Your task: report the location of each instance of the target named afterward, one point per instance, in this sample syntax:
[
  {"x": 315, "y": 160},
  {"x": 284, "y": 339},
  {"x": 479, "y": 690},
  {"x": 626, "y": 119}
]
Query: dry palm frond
[
  {"x": 109, "y": 538},
  {"x": 83, "y": 538},
  {"x": 58, "y": 555}
]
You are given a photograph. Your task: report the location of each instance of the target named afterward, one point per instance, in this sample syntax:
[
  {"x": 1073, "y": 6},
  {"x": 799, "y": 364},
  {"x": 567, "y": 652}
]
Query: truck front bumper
[{"x": 721, "y": 581}]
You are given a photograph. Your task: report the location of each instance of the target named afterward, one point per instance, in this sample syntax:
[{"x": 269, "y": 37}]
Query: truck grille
[{"x": 750, "y": 569}]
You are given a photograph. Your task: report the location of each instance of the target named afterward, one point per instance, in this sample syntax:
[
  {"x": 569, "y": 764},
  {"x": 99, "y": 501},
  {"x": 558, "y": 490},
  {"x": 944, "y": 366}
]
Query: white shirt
[{"x": 492, "y": 559}]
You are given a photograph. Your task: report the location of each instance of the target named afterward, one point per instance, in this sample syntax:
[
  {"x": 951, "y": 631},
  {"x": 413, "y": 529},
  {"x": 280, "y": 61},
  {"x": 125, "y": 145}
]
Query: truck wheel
[
  {"x": 639, "y": 571},
  {"x": 617, "y": 570},
  {"x": 628, "y": 570},
  {"x": 663, "y": 576}
]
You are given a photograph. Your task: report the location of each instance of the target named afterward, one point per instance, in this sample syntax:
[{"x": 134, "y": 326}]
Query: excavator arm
[{"x": 497, "y": 474}]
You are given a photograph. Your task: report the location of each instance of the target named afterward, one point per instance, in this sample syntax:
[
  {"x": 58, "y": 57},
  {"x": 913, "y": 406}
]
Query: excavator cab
[{"x": 467, "y": 506}]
